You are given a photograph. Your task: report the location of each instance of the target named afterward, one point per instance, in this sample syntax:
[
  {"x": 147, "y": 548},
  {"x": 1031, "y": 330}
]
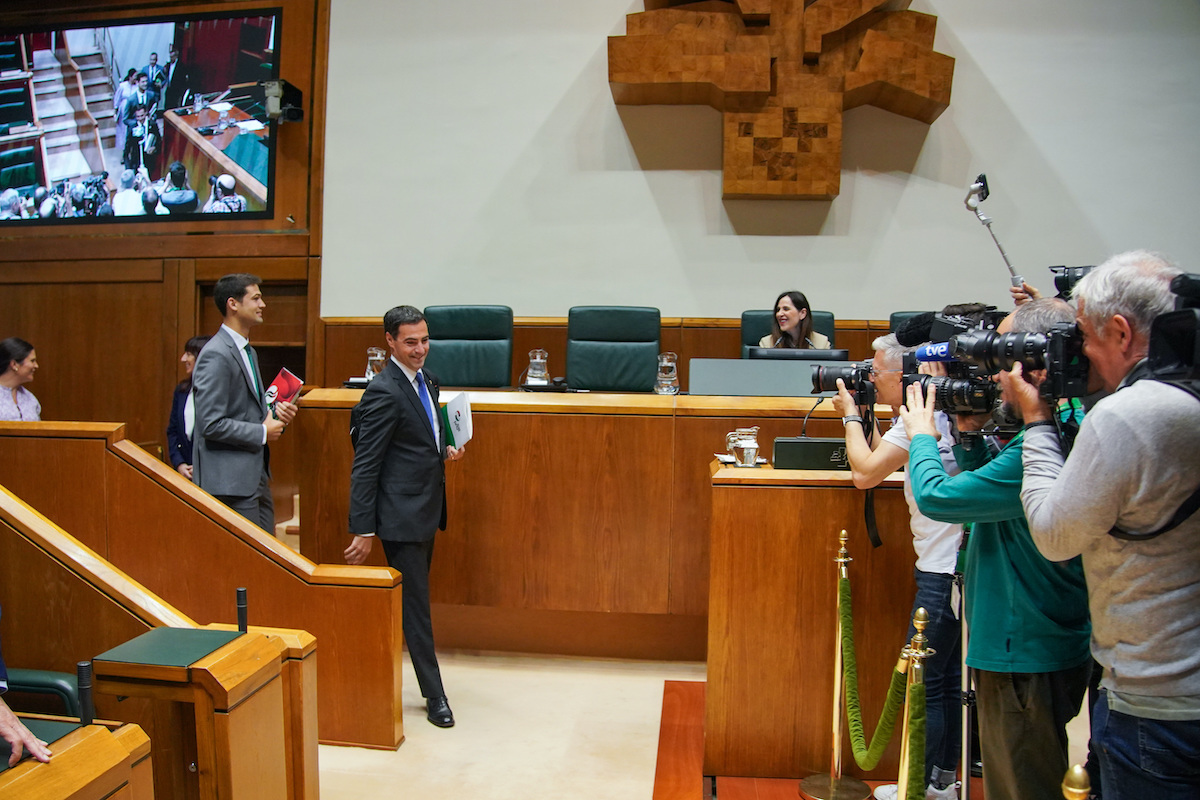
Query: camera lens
[
  {"x": 957, "y": 395},
  {"x": 825, "y": 377},
  {"x": 993, "y": 351}
]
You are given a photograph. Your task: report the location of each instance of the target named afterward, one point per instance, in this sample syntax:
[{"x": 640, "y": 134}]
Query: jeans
[
  {"x": 943, "y": 692},
  {"x": 1145, "y": 759}
]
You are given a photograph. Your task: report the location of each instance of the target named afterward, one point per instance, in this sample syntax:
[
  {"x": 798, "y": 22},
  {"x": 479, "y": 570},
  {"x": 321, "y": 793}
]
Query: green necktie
[{"x": 258, "y": 387}]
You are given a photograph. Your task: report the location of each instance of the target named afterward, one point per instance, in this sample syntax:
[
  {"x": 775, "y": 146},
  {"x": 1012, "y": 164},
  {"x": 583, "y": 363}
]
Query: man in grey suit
[
  {"x": 398, "y": 487},
  {"x": 233, "y": 422}
]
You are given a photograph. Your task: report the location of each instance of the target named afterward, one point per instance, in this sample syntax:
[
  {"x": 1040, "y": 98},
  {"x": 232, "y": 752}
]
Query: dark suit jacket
[
  {"x": 174, "y": 88},
  {"x": 179, "y": 446},
  {"x": 228, "y": 439},
  {"x": 398, "y": 481}
]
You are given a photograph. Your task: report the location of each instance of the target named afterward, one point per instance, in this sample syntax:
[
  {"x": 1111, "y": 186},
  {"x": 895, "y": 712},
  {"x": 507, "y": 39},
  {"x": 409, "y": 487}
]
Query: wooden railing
[{"x": 178, "y": 541}]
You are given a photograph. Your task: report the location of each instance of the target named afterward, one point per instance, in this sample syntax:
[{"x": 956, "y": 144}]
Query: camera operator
[
  {"x": 1134, "y": 463},
  {"x": 936, "y": 544},
  {"x": 223, "y": 197},
  {"x": 1027, "y": 616}
]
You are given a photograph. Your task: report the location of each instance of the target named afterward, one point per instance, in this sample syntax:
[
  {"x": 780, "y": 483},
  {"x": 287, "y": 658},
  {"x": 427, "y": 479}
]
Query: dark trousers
[
  {"x": 259, "y": 508},
  {"x": 1023, "y": 720},
  {"x": 943, "y": 676},
  {"x": 412, "y": 561}
]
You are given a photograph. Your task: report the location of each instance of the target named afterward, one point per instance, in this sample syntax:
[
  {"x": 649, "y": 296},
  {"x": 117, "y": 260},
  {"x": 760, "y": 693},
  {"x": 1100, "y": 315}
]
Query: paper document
[{"x": 457, "y": 420}]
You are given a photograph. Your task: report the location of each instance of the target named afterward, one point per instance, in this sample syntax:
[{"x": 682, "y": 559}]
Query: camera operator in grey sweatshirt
[{"x": 1134, "y": 463}]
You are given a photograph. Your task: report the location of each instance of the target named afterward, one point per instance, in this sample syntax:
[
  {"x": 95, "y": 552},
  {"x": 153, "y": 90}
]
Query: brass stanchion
[
  {"x": 916, "y": 652},
  {"x": 1076, "y": 784},
  {"x": 835, "y": 786}
]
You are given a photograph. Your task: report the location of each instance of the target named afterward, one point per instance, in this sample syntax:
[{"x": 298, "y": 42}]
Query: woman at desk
[
  {"x": 791, "y": 325},
  {"x": 182, "y": 425},
  {"x": 18, "y": 362}
]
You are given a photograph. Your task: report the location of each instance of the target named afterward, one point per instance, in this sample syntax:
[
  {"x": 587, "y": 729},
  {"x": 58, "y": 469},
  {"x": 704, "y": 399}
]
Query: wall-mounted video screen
[{"x": 152, "y": 119}]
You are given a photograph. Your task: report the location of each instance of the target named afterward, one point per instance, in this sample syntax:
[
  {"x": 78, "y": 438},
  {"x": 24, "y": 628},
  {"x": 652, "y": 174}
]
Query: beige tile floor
[{"x": 529, "y": 727}]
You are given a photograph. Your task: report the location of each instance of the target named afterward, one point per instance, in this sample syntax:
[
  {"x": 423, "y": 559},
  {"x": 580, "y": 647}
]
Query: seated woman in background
[
  {"x": 18, "y": 362},
  {"x": 791, "y": 325},
  {"x": 182, "y": 425}
]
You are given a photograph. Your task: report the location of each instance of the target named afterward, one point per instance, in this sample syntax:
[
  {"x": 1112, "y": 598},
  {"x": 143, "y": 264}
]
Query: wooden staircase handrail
[{"x": 83, "y": 562}]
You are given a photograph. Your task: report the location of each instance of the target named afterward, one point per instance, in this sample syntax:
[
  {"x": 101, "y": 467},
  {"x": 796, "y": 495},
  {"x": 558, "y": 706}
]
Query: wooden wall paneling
[
  {"x": 346, "y": 343},
  {"x": 99, "y": 349},
  {"x": 315, "y": 112},
  {"x": 51, "y": 479},
  {"x": 773, "y": 604},
  {"x": 708, "y": 338},
  {"x": 549, "y": 334},
  {"x": 314, "y": 334}
]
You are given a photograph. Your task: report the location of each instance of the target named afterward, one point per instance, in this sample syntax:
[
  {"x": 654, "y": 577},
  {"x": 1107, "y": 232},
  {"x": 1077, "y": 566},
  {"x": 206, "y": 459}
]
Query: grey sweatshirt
[{"x": 1135, "y": 461}]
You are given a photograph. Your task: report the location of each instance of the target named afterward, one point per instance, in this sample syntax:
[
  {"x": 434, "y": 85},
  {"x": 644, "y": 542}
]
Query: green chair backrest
[
  {"x": 470, "y": 345},
  {"x": 17, "y": 155},
  {"x": 612, "y": 348},
  {"x": 18, "y": 176},
  {"x": 14, "y": 113},
  {"x": 899, "y": 317},
  {"x": 756, "y": 324}
]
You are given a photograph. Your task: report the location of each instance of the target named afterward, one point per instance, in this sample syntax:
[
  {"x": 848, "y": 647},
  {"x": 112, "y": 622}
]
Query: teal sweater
[{"x": 1024, "y": 613}]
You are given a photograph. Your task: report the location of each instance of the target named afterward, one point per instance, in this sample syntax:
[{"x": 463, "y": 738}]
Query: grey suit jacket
[
  {"x": 398, "y": 480},
  {"x": 228, "y": 450}
]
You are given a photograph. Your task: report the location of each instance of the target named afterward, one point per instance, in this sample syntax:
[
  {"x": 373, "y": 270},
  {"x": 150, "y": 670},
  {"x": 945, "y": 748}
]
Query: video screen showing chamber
[{"x": 138, "y": 119}]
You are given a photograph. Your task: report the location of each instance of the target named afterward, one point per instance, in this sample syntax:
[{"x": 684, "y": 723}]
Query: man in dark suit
[
  {"x": 398, "y": 487},
  {"x": 176, "y": 81},
  {"x": 233, "y": 422},
  {"x": 143, "y": 95},
  {"x": 155, "y": 73}
]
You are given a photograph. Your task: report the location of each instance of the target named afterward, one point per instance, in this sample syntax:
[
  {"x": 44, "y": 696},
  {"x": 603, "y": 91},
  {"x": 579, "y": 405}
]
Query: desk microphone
[{"x": 241, "y": 609}]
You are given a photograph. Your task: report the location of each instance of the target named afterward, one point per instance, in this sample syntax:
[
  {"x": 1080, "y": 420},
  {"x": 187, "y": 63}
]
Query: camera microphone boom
[{"x": 976, "y": 194}]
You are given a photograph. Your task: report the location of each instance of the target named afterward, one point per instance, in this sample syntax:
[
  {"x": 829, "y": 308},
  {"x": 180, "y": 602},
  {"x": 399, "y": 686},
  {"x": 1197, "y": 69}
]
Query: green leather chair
[
  {"x": 470, "y": 345},
  {"x": 898, "y": 318},
  {"x": 612, "y": 348},
  {"x": 17, "y": 155},
  {"x": 756, "y": 324},
  {"x": 19, "y": 176}
]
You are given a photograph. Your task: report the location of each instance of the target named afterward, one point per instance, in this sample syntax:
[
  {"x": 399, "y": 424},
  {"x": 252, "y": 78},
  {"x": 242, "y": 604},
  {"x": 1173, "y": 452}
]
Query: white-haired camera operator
[
  {"x": 936, "y": 544},
  {"x": 1134, "y": 463}
]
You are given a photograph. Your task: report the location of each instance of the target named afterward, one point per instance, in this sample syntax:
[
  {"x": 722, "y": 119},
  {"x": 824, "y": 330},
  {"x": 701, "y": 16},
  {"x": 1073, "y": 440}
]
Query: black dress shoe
[{"x": 438, "y": 712}]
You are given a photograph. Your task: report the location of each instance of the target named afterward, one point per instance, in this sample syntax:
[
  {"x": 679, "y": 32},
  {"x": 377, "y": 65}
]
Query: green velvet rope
[
  {"x": 868, "y": 758},
  {"x": 916, "y": 740}
]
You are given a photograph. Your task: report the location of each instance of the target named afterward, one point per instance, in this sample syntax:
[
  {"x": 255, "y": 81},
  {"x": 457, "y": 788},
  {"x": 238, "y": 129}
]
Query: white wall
[{"x": 475, "y": 155}]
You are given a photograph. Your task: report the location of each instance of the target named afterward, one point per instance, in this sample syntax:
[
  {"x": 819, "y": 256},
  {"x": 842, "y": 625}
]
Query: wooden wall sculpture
[{"x": 782, "y": 72}]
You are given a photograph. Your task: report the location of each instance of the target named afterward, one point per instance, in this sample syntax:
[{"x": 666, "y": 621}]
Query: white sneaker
[
  {"x": 949, "y": 793},
  {"x": 890, "y": 791}
]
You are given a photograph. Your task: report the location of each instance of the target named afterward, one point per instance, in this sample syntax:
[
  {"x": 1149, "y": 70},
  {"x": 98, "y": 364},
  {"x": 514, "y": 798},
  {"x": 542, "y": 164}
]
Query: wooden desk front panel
[
  {"x": 567, "y": 512},
  {"x": 772, "y": 609}
]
